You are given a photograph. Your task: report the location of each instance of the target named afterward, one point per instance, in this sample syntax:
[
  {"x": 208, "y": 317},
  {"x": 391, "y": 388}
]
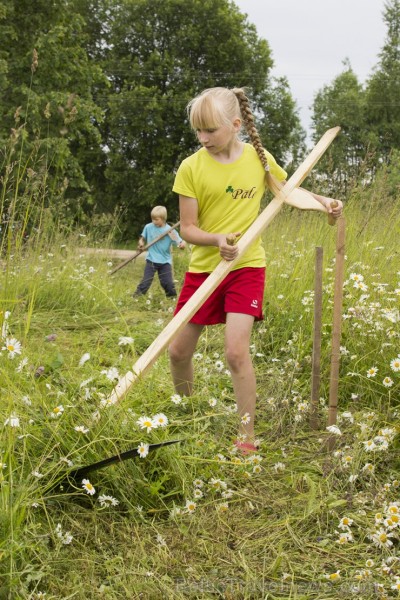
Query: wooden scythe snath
[{"x": 283, "y": 193}]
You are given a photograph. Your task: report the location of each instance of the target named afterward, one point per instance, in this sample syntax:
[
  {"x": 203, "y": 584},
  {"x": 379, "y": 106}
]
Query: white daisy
[
  {"x": 145, "y": 423},
  {"x": 12, "y": 421},
  {"x": 125, "y": 340},
  {"x": 111, "y": 374},
  {"x": 212, "y": 402},
  {"x": 334, "y": 429},
  {"x": 81, "y": 429},
  {"x": 108, "y": 500},
  {"x": 88, "y": 487},
  {"x": 372, "y": 372},
  {"x": 245, "y": 419},
  {"x": 160, "y": 420},
  {"x": 190, "y": 506},
  {"x": 176, "y": 399},
  {"x": 143, "y": 450},
  {"x": 395, "y": 364},
  {"x": 13, "y": 346},
  {"x": 57, "y": 411},
  {"x": 381, "y": 538},
  {"x": 388, "y": 382}
]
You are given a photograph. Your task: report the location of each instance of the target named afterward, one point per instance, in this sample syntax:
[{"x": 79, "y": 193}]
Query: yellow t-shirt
[{"x": 229, "y": 197}]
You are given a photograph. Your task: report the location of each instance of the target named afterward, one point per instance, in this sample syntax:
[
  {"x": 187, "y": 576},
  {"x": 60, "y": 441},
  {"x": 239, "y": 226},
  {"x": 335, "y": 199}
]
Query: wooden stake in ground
[
  {"x": 316, "y": 356},
  {"x": 145, "y": 362},
  {"x": 336, "y": 328},
  {"x": 157, "y": 239}
]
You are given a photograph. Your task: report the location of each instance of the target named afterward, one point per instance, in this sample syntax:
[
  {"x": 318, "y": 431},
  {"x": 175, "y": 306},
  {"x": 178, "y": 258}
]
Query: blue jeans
[{"x": 164, "y": 271}]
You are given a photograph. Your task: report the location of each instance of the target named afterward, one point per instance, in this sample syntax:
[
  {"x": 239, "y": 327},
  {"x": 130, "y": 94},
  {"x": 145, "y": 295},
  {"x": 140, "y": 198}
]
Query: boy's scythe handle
[
  {"x": 176, "y": 324},
  {"x": 157, "y": 239}
]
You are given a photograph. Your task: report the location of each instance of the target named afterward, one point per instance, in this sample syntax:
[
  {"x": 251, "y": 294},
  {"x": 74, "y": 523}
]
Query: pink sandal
[{"x": 245, "y": 447}]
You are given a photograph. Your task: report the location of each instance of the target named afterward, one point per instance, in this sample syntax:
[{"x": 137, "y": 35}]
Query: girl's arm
[
  {"x": 335, "y": 211},
  {"x": 191, "y": 232}
]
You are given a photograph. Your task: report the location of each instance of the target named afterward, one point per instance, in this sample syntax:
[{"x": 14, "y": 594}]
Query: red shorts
[{"x": 241, "y": 291}]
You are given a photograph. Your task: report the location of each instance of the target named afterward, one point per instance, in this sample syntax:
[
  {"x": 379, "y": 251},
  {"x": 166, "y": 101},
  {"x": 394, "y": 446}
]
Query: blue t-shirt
[{"x": 160, "y": 252}]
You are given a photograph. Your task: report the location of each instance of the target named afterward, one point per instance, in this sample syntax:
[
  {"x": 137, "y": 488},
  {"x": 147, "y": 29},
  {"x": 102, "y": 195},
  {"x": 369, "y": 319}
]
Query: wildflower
[
  {"x": 81, "y": 429},
  {"x": 197, "y": 493},
  {"x": 369, "y": 445},
  {"x": 143, "y": 450},
  {"x": 372, "y": 372},
  {"x": 176, "y": 399},
  {"x": 393, "y": 509},
  {"x": 348, "y": 416},
  {"x": 279, "y": 466},
  {"x": 333, "y": 576},
  {"x": 108, "y": 500},
  {"x": 13, "y": 347},
  {"x": 12, "y": 421},
  {"x": 84, "y": 358},
  {"x": 219, "y": 365},
  {"x": 368, "y": 468},
  {"x": 257, "y": 469},
  {"x": 190, "y": 506},
  {"x": 392, "y": 522},
  {"x": 51, "y": 337},
  {"x": 345, "y": 537},
  {"x": 222, "y": 507},
  {"x": 145, "y": 423},
  {"x": 369, "y": 563},
  {"x": 381, "y": 538},
  {"x": 198, "y": 483},
  {"x": 160, "y": 420},
  {"x": 161, "y": 541},
  {"x": 356, "y": 277},
  {"x": 125, "y": 340},
  {"x": 396, "y": 585},
  {"x": 334, "y": 429},
  {"x": 388, "y": 382},
  {"x": 245, "y": 419},
  {"x": 395, "y": 364},
  {"x": 345, "y": 522},
  {"x": 22, "y": 365},
  {"x": 212, "y": 402},
  {"x": 57, "y": 411},
  {"x": 88, "y": 487},
  {"x": 217, "y": 484},
  {"x": 66, "y": 538},
  {"x": 381, "y": 442},
  {"x": 111, "y": 374}
]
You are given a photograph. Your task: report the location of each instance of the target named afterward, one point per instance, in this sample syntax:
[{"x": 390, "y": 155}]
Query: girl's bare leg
[
  {"x": 181, "y": 352},
  {"x": 237, "y": 350}
]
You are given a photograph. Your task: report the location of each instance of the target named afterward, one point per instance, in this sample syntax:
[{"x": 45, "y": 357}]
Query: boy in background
[{"x": 159, "y": 257}]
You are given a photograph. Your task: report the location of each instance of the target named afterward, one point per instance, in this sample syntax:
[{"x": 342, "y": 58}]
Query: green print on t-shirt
[{"x": 239, "y": 193}]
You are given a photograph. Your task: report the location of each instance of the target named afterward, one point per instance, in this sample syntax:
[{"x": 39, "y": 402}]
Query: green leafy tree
[
  {"x": 47, "y": 95},
  {"x": 341, "y": 103},
  {"x": 383, "y": 88},
  {"x": 161, "y": 54}
]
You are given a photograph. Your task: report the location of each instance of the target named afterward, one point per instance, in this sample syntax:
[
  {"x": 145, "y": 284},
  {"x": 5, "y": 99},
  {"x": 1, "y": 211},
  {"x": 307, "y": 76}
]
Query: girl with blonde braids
[{"x": 220, "y": 189}]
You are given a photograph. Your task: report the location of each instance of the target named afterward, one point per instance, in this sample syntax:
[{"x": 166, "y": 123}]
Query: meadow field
[{"x": 195, "y": 519}]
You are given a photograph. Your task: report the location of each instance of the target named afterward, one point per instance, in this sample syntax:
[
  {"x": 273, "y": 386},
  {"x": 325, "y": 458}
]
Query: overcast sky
[{"x": 309, "y": 40}]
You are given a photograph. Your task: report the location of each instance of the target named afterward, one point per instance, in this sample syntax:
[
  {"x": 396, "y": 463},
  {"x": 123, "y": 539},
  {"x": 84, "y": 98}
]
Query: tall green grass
[{"x": 262, "y": 528}]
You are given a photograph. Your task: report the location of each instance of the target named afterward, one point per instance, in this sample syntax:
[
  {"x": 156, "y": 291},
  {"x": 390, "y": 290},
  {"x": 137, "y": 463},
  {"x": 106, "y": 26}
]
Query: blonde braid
[{"x": 248, "y": 120}]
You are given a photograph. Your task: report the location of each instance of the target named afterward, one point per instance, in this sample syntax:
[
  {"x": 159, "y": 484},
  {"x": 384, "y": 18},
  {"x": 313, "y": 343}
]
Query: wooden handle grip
[
  {"x": 231, "y": 239},
  {"x": 331, "y": 218}
]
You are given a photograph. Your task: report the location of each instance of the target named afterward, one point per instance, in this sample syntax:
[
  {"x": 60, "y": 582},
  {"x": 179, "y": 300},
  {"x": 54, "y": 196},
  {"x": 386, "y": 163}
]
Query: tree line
[{"x": 93, "y": 96}]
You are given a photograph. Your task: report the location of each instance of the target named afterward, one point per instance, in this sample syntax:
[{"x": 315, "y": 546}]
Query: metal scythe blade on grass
[
  {"x": 157, "y": 239},
  {"x": 77, "y": 474},
  {"x": 282, "y": 194}
]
